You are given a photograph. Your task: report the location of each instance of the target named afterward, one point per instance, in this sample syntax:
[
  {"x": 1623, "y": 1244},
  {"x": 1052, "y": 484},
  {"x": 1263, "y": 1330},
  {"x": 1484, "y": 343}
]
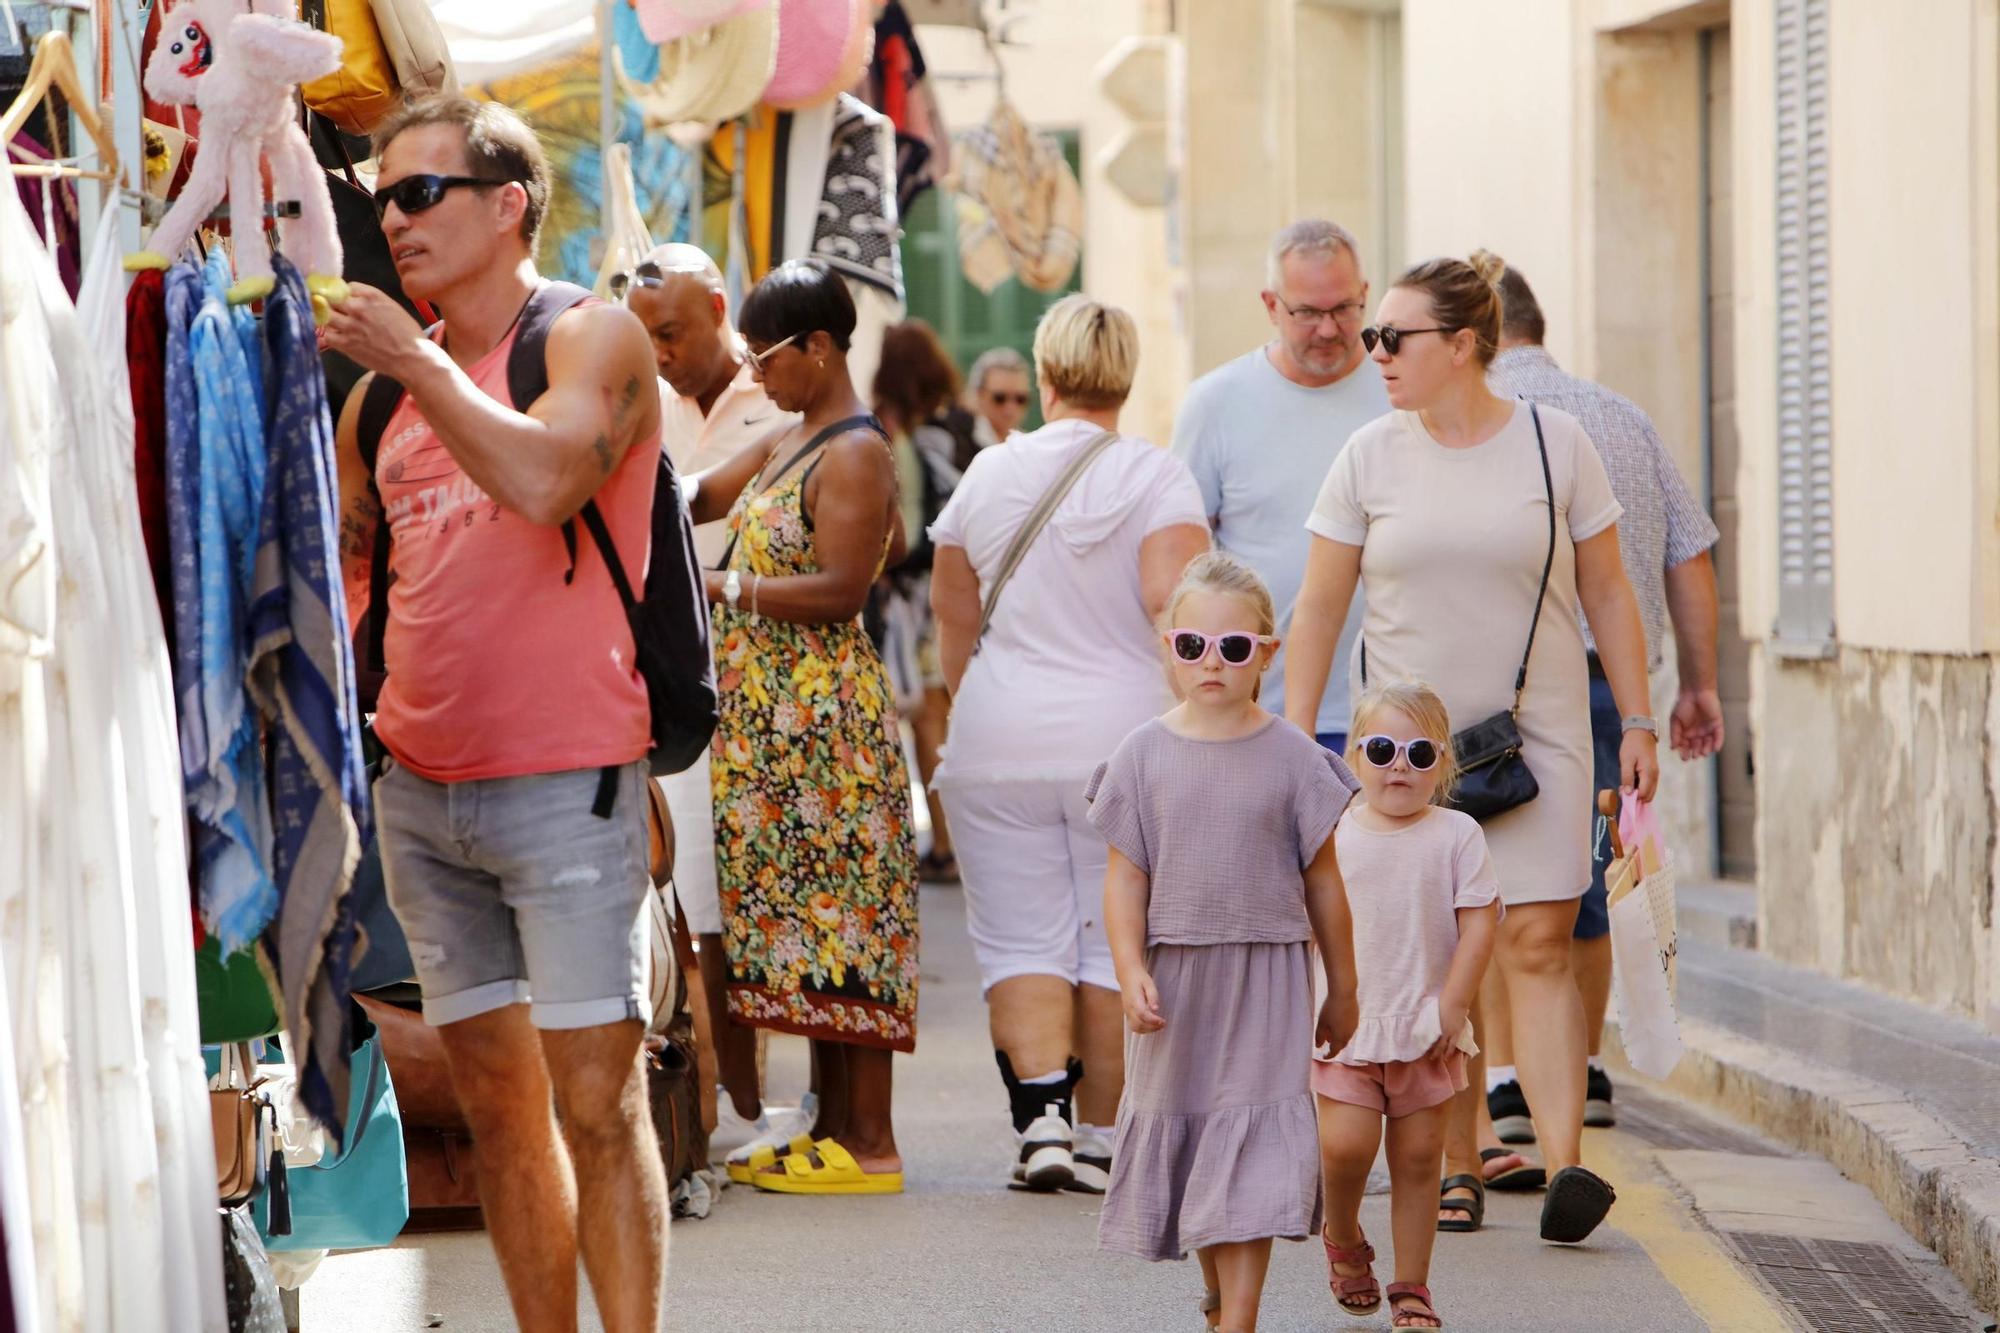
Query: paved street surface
[{"x": 1714, "y": 1229}]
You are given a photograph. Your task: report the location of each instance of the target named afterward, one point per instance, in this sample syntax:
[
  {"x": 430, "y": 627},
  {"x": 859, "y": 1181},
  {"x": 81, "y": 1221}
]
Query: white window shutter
[{"x": 1805, "y": 379}]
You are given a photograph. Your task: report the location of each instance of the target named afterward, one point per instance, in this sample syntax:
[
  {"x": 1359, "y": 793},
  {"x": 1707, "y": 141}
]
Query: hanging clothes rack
[{"x": 54, "y": 69}]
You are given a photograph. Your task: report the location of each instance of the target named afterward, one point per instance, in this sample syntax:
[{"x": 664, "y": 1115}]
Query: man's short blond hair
[{"x": 1087, "y": 352}]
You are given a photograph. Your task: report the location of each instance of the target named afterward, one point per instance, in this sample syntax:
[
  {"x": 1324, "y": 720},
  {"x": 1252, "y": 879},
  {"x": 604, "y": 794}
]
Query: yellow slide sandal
[
  {"x": 836, "y": 1172},
  {"x": 743, "y": 1170}
]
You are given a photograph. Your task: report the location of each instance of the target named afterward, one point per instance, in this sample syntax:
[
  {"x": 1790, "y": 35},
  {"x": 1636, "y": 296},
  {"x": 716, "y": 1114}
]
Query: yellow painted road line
[{"x": 1686, "y": 1253}]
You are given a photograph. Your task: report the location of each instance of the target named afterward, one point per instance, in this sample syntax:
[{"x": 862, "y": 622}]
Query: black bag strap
[
  {"x": 379, "y": 402},
  {"x": 1548, "y": 489},
  {"x": 839, "y": 427},
  {"x": 1548, "y": 564}
]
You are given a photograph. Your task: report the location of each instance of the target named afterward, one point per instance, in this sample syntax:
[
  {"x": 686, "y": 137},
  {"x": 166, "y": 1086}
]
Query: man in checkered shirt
[{"x": 1664, "y": 538}]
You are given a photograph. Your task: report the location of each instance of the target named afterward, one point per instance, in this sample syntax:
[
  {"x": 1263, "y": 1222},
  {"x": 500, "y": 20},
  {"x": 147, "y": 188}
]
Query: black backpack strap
[
  {"x": 527, "y": 364},
  {"x": 378, "y": 405},
  {"x": 593, "y": 518}
]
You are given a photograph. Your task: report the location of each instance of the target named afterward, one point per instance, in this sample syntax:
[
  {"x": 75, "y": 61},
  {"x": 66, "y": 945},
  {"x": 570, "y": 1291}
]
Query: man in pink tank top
[{"x": 511, "y": 811}]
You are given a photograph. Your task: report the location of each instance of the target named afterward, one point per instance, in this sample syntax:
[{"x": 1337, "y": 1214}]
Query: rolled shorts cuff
[
  {"x": 572, "y": 1014},
  {"x": 440, "y": 1010}
]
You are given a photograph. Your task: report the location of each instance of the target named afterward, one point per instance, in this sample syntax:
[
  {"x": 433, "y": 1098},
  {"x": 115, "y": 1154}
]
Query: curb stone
[{"x": 1945, "y": 1195}]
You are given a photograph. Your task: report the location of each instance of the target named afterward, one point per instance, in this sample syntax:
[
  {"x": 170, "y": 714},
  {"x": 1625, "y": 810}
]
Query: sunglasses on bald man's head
[
  {"x": 416, "y": 194},
  {"x": 643, "y": 274}
]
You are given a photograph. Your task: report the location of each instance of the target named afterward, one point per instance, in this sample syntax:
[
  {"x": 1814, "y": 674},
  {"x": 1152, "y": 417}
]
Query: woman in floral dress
[{"x": 815, "y": 855}]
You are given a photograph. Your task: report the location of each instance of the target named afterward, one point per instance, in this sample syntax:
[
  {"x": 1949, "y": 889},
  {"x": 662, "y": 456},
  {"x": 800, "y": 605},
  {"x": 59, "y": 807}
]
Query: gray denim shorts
[{"x": 512, "y": 891}]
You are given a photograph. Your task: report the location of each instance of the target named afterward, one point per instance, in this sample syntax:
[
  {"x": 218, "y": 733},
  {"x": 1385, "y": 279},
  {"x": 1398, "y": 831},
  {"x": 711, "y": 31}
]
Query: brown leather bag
[
  {"x": 235, "y": 1114},
  {"x": 444, "y": 1181},
  {"x": 671, "y": 1087},
  {"x": 415, "y": 1054}
]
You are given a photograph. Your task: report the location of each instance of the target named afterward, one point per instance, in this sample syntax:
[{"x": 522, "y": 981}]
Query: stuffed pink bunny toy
[{"x": 240, "y": 69}]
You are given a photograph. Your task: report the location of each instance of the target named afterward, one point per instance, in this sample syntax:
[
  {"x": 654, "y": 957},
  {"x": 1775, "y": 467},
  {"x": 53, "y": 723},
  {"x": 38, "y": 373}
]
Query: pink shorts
[{"x": 1396, "y": 1088}]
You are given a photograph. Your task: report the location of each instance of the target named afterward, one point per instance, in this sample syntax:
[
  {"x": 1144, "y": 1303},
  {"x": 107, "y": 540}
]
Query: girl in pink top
[{"x": 1425, "y": 904}]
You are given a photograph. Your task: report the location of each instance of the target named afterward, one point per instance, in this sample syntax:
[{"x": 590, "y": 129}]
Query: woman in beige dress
[{"x": 1442, "y": 508}]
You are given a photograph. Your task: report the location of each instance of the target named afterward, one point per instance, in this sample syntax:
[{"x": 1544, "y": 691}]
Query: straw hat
[
  {"x": 816, "y": 42},
  {"x": 713, "y": 75},
  {"x": 671, "y": 20}
]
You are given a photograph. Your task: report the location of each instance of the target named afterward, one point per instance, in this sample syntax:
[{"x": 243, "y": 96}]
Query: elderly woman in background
[
  {"x": 997, "y": 392},
  {"x": 915, "y": 386},
  {"x": 1066, "y": 664}
]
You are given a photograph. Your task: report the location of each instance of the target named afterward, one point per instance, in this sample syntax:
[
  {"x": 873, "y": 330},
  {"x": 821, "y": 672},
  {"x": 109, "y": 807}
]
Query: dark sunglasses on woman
[
  {"x": 1003, "y": 399},
  {"x": 1391, "y": 337},
  {"x": 414, "y": 194},
  {"x": 1381, "y": 751}
]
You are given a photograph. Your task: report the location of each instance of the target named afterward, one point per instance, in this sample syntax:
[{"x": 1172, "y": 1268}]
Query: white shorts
[
  {"x": 690, "y": 799},
  {"x": 1033, "y": 870}
]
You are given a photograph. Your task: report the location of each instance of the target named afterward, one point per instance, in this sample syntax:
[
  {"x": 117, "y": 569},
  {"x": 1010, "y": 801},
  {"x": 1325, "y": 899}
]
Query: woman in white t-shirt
[
  {"x": 1445, "y": 510},
  {"x": 1069, "y": 665}
]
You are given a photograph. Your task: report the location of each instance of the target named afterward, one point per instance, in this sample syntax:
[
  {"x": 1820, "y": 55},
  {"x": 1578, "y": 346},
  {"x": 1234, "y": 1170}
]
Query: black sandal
[
  {"x": 1577, "y": 1201},
  {"x": 1473, "y": 1209},
  {"x": 1526, "y": 1176}
]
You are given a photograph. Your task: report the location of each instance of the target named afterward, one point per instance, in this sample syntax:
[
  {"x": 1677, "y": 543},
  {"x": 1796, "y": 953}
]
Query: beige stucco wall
[
  {"x": 1049, "y": 58},
  {"x": 1490, "y": 106},
  {"x": 1906, "y": 483}
]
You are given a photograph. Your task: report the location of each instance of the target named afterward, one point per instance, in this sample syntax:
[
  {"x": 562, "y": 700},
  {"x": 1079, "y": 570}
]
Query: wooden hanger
[{"x": 54, "y": 66}]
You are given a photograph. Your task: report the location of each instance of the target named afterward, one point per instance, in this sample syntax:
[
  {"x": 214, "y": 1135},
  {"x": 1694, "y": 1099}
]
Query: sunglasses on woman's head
[
  {"x": 414, "y": 194},
  {"x": 1381, "y": 751},
  {"x": 1236, "y": 646},
  {"x": 1391, "y": 337}
]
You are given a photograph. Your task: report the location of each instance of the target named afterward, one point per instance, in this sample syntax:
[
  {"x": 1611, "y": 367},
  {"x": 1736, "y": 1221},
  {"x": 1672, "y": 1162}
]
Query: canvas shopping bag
[{"x": 1640, "y": 886}]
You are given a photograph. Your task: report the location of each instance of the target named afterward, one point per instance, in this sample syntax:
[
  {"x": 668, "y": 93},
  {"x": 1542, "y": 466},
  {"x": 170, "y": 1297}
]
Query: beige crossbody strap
[{"x": 1038, "y": 518}]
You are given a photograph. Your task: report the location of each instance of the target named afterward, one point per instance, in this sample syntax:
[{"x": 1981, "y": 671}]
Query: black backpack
[{"x": 669, "y": 623}]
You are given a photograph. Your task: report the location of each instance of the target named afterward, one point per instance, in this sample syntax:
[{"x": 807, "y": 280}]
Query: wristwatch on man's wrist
[
  {"x": 732, "y": 588},
  {"x": 1639, "y": 722}
]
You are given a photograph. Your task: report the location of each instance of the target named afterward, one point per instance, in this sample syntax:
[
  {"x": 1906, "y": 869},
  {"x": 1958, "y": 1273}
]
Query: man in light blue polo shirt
[{"x": 1260, "y": 432}]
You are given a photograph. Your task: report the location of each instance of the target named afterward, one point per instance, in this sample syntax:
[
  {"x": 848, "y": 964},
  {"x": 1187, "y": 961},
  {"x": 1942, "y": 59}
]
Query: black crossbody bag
[{"x": 1493, "y": 776}]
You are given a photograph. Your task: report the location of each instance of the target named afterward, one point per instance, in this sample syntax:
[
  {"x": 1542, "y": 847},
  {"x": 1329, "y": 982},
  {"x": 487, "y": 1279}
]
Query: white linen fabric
[{"x": 94, "y": 934}]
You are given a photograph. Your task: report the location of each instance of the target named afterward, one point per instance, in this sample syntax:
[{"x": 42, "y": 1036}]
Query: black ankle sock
[{"x": 1029, "y": 1102}]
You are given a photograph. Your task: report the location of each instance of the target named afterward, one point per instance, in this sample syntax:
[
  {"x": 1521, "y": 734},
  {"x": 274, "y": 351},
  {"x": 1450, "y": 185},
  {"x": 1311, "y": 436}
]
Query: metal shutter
[{"x": 1805, "y": 380}]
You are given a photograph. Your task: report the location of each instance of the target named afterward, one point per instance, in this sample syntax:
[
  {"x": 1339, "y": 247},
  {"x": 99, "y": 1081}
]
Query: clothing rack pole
[{"x": 128, "y": 109}]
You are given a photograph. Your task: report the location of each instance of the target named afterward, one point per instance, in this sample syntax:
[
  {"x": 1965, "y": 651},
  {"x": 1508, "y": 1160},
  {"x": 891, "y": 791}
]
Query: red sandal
[
  {"x": 1350, "y": 1292},
  {"x": 1408, "y": 1312}
]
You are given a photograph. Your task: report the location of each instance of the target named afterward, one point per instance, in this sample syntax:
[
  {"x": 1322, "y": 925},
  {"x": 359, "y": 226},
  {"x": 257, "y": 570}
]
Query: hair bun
[{"x": 1488, "y": 265}]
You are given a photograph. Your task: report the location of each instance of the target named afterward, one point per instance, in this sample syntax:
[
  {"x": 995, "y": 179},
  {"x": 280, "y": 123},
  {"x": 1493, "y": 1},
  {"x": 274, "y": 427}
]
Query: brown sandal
[
  {"x": 1357, "y": 1295},
  {"x": 1404, "y": 1313},
  {"x": 1211, "y": 1308}
]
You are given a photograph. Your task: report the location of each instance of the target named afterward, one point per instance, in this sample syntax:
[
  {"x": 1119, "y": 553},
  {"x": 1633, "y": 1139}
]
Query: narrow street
[{"x": 1700, "y": 1202}]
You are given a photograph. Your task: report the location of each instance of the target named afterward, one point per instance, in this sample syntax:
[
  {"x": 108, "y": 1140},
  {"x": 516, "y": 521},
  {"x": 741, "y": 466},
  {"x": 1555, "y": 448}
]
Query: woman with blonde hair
[
  {"x": 1480, "y": 524},
  {"x": 1053, "y": 559}
]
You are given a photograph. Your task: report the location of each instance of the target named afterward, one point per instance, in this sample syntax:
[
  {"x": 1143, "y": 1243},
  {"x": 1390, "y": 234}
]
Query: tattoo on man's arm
[
  {"x": 601, "y": 446},
  {"x": 357, "y": 527}
]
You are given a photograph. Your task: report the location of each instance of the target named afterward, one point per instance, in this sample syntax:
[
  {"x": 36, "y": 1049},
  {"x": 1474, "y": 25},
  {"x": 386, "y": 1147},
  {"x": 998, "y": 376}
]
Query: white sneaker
[
  {"x": 1091, "y": 1152},
  {"x": 1046, "y": 1161},
  {"x": 732, "y": 1130}
]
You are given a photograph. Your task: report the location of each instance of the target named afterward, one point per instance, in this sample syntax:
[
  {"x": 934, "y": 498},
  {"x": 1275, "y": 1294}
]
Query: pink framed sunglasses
[{"x": 1236, "y": 647}]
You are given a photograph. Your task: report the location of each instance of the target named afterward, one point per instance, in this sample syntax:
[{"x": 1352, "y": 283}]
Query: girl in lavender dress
[{"x": 1220, "y": 819}]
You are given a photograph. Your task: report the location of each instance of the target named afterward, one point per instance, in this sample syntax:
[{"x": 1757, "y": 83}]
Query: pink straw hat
[
  {"x": 670, "y": 20},
  {"x": 815, "y": 43}
]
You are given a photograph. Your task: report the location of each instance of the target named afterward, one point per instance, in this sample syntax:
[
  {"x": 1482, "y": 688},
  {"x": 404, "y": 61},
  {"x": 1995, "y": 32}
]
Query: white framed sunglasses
[
  {"x": 1381, "y": 751},
  {"x": 757, "y": 359}
]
